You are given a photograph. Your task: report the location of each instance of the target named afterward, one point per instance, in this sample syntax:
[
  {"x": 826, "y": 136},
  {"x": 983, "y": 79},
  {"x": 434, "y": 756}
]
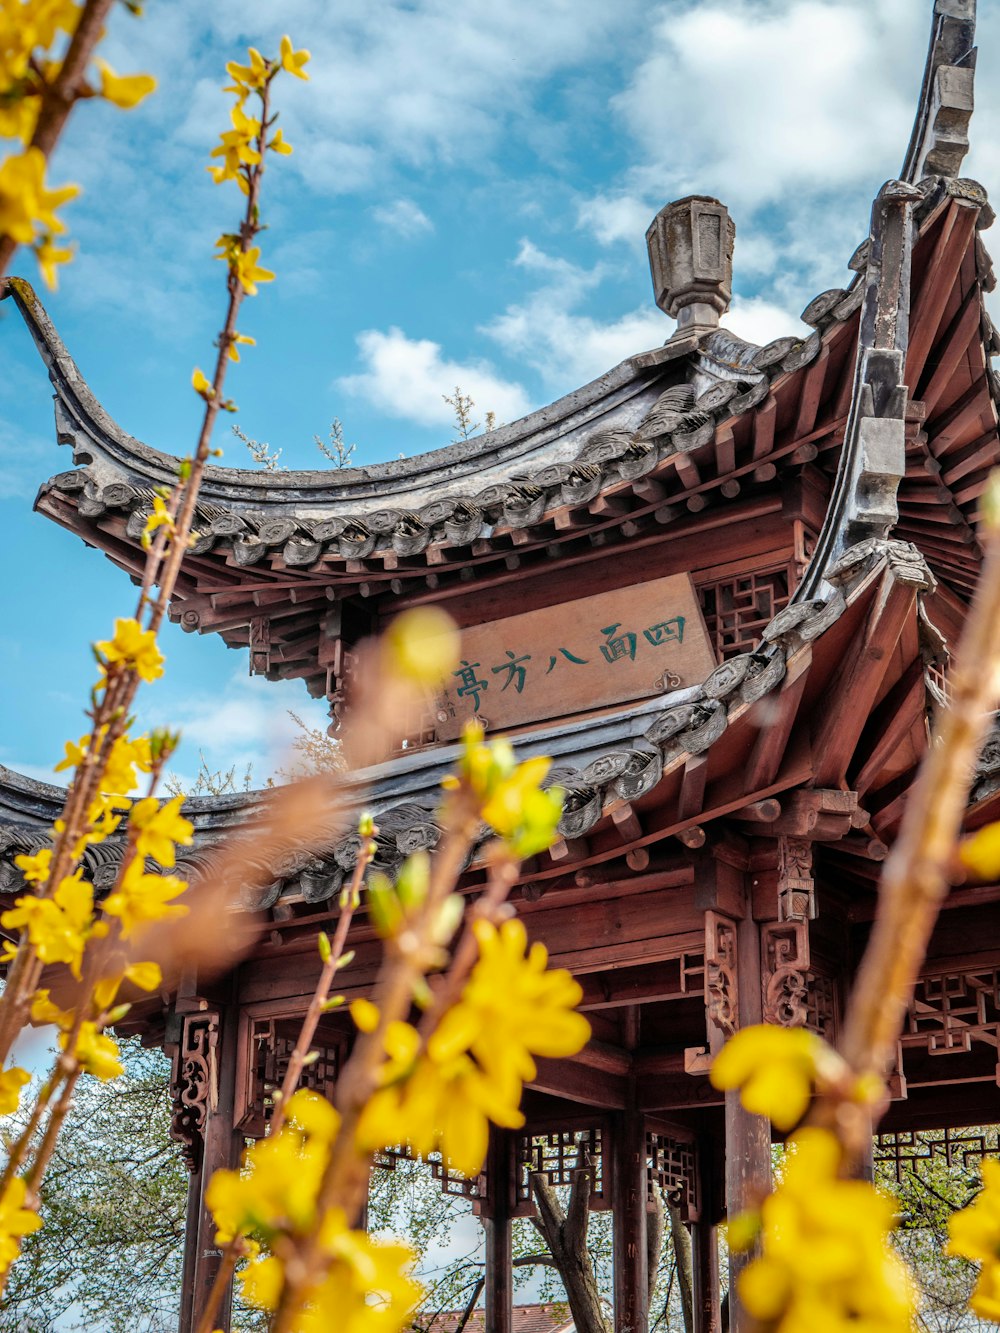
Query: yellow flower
[
  {"x": 44, "y": 1011},
  {"x": 15, "y": 1221},
  {"x": 512, "y": 1007},
  {"x": 975, "y": 1234},
  {"x": 26, "y": 206},
  {"x": 422, "y": 645},
  {"x": 11, "y": 1082},
  {"x": 161, "y": 517},
  {"x": 980, "y": 853},
  {"x": 775, "y": 1069},
  {"x": 201, "y": 385},
  {"x": 147, "y": 976},
  {"x": 35, "y": 866},
  {"x": 368, "y": 1283},
  {"x": 244, "y": 266},
  {"x": 49, "y": 255},
  {"x": 236, "y": 147},
  {"x": 249, "y": 76},
  {"x": 138, "y": 899},
  {"x": 160, "y": 827},
  {"x": 293, "y": 60},
  {"x": 278, "y": 1183},
  {"x": 447, "y": 1104},
  {"x": 237, "y": 340},
  {"x": 18, "y": 118},
  {"x": 97, "y": 1053},
  {"x": 124, "y": 90},
  {"x": 135, "y": 647},
  {"x": 58, "y": 927},
  {"x": 510, "y": 794},
  {"x": 279, "y": 144},
  {"x": 825, "y": 1261}
]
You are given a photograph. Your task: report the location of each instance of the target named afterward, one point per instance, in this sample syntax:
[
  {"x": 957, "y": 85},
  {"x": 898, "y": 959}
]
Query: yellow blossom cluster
[
  {"x": 16, "y": 1221},
  {"x": 975, "y": 1234},
  {"x": 132, "y": 647},
  {"x": 473, "y": 1066},
  {"x": 276, "y": 1193},
  {"x": 825, "y": 1263},
  {"x": 31, "y": 33},
  {"x": 510, "y": 795}
]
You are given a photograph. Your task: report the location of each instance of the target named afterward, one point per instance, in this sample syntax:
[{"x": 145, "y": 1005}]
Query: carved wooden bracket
[
  {"x": 260, "y": 645},
  {"x": 796, "y": 888},
  {"x": 721, "y": 1002},
  {"x": 785, "y": 972},
  {"x": 194, "y": 1083}
]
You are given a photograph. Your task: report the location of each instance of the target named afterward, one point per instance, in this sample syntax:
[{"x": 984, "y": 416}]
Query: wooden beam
[
  {"x": 575, "y": 1083},
  {"x": 498, "y": 1304},
  {"x": 968, "y": 409},
  {"x": 890, "y": 723},
  {"x": 812, "y": 392},
  {"x": 628, "y": 1189},
  {"x": 748, "y": 1136},
  {"x": 980, "y": 453},
  {"x": 776, "y": 718},
  {"x": 763, "y": 427},
  {"x": 953, "y": 345},
  {"x": 692, "y": 794},
  {"x": 849, "y": 701},
  {"x": 943, "y": 266}
]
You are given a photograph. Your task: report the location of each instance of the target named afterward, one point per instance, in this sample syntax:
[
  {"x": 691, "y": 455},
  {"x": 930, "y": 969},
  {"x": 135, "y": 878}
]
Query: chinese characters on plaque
[{"x": 579, "y": 655}]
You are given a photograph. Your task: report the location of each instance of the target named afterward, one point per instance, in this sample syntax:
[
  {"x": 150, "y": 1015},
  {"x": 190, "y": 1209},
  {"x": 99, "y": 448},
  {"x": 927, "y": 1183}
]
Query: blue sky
[{"x": 466, "y": 204}]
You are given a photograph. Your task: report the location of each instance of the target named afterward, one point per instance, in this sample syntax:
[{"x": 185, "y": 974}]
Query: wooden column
[
  {"x": 499, "y": 1286},
  {"x": 748, "y": 1137},
  {"x": 629, "y": 1204},
  {"x": 204, "y": 1086},
  {"x": 705, "y": 1247}
]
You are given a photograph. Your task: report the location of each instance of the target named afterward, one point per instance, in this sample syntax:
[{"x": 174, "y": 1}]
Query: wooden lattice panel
[
  {"x": 460, "y": 1187},
  {"x": 270, "y": 1052},
  {"x": 920, "y": 1154},
  {"x": 672, "y": 1166},
  {"x": 737, "y": 609},
  {"x": 951, "y": 1011},
  {"x": 556, "y": 1155}
]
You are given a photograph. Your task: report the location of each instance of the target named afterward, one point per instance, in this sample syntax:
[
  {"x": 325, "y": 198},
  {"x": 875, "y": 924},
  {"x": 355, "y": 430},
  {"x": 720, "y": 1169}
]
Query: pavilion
[{"x": 775, "y": 548}]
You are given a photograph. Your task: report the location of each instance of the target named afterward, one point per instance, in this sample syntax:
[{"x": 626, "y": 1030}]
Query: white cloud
[
  {"x": 754, "y": 99},
  {"x": 244, "y": 724},
  {"x": 614, "y": 218},
  {"x": 548, "y": 331},
  {"x": 759, "y": 321},
  {"x": 406, "y": 378},
  {"x": 403, "y": 217}
]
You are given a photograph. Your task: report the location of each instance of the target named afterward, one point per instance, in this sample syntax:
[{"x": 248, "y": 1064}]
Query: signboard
[{"x": 607, "y": 649}]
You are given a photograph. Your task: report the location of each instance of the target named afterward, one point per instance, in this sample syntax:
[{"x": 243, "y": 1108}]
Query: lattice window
[
  {"x": 737, "y": 609},
  {"x": 949, "y": 1012},
  {"x": 387, "y": 1159},
  {"x": 672, "y": 1166},
  {"x": 821, "y": 1006},
  {"x": 557, "y": 1155},
  {"x": 919, "y": 1154},
  {"x": 270, "y": 1051}
]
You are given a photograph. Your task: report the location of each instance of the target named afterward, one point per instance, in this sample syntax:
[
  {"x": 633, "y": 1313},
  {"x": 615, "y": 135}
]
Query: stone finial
[{"x": 691, "y": 260}]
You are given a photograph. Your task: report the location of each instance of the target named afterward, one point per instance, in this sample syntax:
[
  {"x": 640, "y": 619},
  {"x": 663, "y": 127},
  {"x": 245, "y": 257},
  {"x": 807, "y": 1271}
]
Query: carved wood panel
[{"x": 194, "y": 1083}]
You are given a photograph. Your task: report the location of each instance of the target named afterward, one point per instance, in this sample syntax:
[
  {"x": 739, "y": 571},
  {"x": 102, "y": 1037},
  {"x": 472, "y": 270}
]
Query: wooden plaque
[{"x": 611, "y": 648}]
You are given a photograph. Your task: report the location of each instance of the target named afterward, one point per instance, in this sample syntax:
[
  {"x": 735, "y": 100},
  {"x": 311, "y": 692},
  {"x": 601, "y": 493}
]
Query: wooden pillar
[
  {"x": 748, "y": 1137},
  {"x": 629, "y": 1205},
  {"x": 705, "y": 1247},
  {"x": 499, "y": 1285},
  {"x": 204, "y": 1087}
]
